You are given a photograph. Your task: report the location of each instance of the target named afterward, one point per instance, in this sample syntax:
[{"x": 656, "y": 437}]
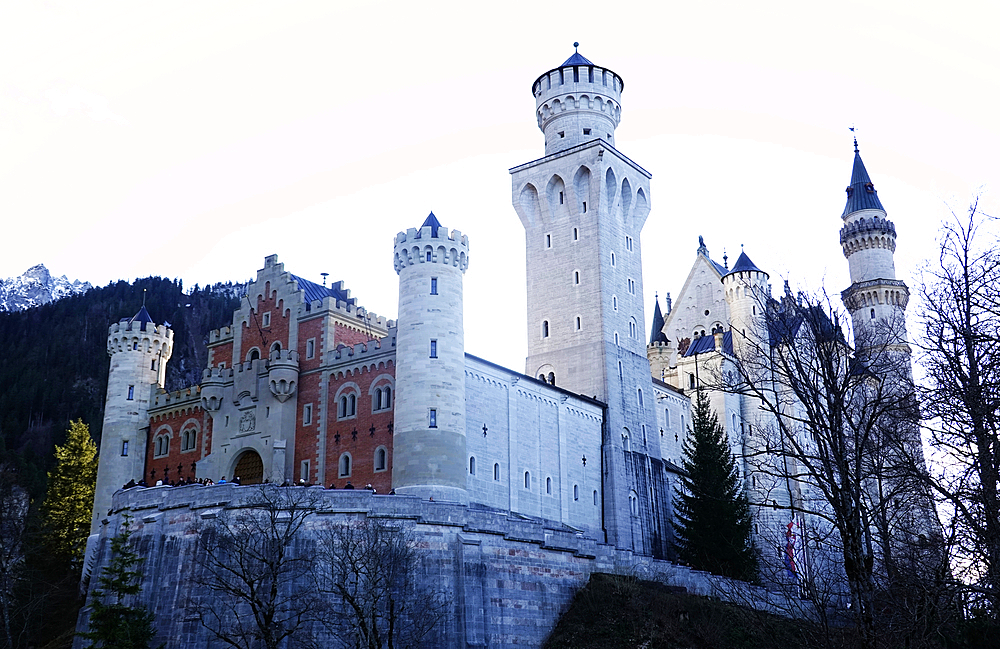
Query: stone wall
[{"x": 506, "y": 579}]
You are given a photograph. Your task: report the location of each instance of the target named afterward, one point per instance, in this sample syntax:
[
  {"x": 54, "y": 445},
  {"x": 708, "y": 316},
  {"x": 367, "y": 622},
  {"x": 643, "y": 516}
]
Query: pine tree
[
  {"x": 713, "y": 514},
  {"x": 69, "y": 501},
  {"x": 113, "y": 623}
]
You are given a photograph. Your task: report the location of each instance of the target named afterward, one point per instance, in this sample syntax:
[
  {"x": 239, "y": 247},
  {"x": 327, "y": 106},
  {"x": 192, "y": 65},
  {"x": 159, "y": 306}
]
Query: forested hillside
[{"x": 54, "y": 360}]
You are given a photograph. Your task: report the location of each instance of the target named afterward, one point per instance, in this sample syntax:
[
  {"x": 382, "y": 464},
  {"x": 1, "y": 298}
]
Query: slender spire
[
  {"x": 657, "y": 335},
  {"x": 861, "y": 194}
]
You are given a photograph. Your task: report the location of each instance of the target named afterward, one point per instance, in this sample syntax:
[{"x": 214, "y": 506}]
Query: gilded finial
[{"x": 575, "y": 46}]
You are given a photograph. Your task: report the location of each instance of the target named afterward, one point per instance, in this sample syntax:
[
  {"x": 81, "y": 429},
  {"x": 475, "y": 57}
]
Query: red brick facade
[
  {"x": 362, "y": 435},
  {"x": 177, "y": 439}
]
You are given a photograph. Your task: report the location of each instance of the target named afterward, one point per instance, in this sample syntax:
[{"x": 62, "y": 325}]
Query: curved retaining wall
[{"x": 507, "y": 578}]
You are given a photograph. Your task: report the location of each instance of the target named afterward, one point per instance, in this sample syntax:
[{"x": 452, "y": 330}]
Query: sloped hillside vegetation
[{"x": 54, "y": 363}]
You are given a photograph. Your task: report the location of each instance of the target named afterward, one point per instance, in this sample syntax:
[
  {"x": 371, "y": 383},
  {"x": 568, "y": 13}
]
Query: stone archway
[{"x": 249, "y": 468}]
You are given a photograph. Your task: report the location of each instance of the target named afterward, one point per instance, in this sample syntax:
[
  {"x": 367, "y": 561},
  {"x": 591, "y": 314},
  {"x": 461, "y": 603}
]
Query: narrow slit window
[
  {"x": 434, "y": 349},
  {"x": 124, "y": 448},
  {"x": 434, "y": 286},
  {"x": 131, "y": 393},
  {"x": 576, "y": 232},
  {"x": 561, "y": 198},
  {"x": 432, "y": 418},
  {"x": 548, "y": 240}
]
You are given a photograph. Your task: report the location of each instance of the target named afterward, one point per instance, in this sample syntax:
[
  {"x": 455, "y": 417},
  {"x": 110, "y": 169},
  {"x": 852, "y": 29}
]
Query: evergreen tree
[
  {"x": 69, "y": 502},
  {"x": 713, "y": 514},
  {"x": 113, "y": 623}
]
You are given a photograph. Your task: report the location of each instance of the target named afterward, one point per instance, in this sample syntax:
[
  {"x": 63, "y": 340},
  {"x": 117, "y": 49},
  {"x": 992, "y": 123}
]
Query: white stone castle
[{"x": 307, "y": 386}]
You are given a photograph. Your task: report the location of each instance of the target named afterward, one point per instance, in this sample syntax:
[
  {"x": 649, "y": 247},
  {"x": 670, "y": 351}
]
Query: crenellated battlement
[
  {"x": 143, "y": 337},
  {"x": 350, "y": 312},
  {"x": 577, "y": 102},
  {"x": 448, "y": 248},
  {"x": 224, "y": 334},
  {"x": 163, "y": 399},
  {"x": 360, "y": 351},
  {"x": 864, "y": 227}
]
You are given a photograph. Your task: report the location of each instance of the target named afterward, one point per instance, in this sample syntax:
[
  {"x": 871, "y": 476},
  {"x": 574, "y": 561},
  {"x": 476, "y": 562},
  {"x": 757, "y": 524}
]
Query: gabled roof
[
  {"x": 785, "y": 326},
  {"x": 706, "y": 343},
  {"x": 861, "y": 194},
  {"x": 657, "y": 335},
  {"x": 314, "y": 291}
]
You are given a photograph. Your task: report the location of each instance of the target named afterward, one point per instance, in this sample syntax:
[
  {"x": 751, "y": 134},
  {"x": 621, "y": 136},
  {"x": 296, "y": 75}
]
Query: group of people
[{"x": 208, "y": 481}]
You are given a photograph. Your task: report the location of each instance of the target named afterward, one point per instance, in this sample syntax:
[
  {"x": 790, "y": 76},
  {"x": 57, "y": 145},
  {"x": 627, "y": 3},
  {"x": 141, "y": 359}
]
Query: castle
[{"x": 306, "y": 386}]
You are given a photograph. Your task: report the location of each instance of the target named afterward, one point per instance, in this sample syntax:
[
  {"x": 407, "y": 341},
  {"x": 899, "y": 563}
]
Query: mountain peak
[{"x": 35, "y": 288}]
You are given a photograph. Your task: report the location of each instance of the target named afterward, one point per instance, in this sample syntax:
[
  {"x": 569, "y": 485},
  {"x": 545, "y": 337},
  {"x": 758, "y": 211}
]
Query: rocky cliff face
[{"x": 36, "y": 287}]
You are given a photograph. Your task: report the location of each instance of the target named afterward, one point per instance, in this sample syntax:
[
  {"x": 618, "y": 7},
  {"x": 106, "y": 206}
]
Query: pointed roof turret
[
  {"x": 577, "y": 58},
  {"x": 744, "y": 264},
  {"x": 657, "y": 335},
  {"x": 861, "y": 194},
  {"x": 142, "y": 318},
  {"x": 432, "y": 222}
]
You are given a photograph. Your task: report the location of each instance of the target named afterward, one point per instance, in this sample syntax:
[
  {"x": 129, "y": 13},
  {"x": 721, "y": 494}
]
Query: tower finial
[
  {"x": 143, "y": 297},
  {"x": 576, "y": 46},
  {"x": 853, "y": 130},
  {"x": 725, "y": 259}
]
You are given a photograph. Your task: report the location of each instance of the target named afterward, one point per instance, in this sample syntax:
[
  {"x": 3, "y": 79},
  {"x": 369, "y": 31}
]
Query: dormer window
[{"x": 586, "y": 131}]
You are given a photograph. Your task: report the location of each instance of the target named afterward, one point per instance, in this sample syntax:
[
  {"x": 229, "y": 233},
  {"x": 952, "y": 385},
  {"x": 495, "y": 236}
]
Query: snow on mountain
[{"x": 36, "y": 287}]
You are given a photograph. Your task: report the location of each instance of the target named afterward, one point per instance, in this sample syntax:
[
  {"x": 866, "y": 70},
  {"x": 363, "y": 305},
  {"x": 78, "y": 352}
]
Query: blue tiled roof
[
  {"x": 576, "y": 59},
  {"x": 314, "y": 291},
  {"x": 706, "y": 343},
  {"x": 861, "y": 194},
  {"x": 142, "y": 318},
  {"x": 657, "y": 335},
  {"x": 783, "y": 328},
  {"x": 744, "y": 264},
  {"x": 432, "y": 222}
]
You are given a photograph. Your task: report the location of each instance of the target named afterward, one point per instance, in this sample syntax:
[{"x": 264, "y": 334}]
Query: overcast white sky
[{"x": 191, "y": 140}]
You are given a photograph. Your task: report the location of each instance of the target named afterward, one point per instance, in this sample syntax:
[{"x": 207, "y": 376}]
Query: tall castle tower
[
  {"x": 583, "y": 206},
  {"x": 876, "y": 299},
  {"x": 139, "y": 350},
  {"x": 429, "y": 452}
]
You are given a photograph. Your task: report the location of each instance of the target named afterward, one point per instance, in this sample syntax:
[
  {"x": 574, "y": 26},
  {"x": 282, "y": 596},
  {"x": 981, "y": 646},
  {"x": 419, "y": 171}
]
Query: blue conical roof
[
  {"x": 744, "y": 264},
  {"x": 657, "y": 335},
  {"x": 142, "y": 318},
  {"x": 576, "y": 59},
  {"x": 861, "y": 194},
  {"x": 432, "y": 222}
]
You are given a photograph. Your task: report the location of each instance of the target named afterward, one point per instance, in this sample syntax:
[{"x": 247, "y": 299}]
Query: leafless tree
[
  {"x": 370, "y": 571},
  {"x": 960, "y": 356},
  {"x": 254, "y": 559},
  {"x": 836, "y": 436},
  {"x": 13, "y": 518}
]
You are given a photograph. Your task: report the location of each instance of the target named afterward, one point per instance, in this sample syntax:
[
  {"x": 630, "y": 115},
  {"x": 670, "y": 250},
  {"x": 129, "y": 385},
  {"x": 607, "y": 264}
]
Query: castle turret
[
  {"x": 139, "y": 351},
  {"x": 429, "y": 451},
  {"x": 583, "y": 206},
  {"x": 868, "y": 240},
  {"x": 659, "y": 351},
  {"x": 577, "y": 102},
  {"x": 745, "y": 287}
]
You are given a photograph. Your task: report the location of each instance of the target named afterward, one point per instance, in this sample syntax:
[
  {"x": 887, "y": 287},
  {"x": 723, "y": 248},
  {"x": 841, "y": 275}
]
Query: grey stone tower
[
  {"x": 583, "y": 206},
  {"x": 139, "y": 351},
  {"x": 429, "y": 451},
  {"x": 876, "y": 299}
]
